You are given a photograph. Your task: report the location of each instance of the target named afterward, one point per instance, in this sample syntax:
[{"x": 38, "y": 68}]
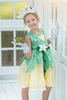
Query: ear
[
  {"x": 38, "y": 19},
  {"x": 25, "y": 23}
]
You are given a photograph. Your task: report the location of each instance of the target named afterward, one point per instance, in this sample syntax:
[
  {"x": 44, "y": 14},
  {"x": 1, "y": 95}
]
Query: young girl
[{"x": 36, "y": 66}]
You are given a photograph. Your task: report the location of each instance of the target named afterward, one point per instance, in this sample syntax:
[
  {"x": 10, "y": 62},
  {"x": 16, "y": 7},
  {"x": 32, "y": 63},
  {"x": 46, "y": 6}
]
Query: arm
[
  {"x": 28, "y": 42},
  {"x": 54, "y": 35},
  {"x": 26, "y": 46},
  {"x": 48, "y": 41}
]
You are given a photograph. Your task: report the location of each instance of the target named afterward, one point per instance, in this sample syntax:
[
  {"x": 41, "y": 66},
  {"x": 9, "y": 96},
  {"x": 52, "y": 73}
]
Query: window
[
  {"x": 8, "y": 8},
  {"x": 18, "y": 7},
  {"x": 6, "y": 38},
  {"x": 11, "y": 27},
  {"x": 7, "y": 58}
]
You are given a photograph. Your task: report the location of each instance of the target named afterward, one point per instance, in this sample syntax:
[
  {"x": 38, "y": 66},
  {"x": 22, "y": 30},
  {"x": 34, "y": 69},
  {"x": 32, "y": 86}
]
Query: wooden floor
[{"x": 10, "y": 90}]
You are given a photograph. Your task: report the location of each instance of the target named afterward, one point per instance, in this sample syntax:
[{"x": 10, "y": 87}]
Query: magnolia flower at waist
[{"x": 41, "y": 47}]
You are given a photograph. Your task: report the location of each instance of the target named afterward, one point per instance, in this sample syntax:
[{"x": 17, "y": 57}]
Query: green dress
[{"x": 42, "y": 57}]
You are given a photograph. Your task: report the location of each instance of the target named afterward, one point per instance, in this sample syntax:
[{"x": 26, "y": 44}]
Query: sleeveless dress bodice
[{"x": 38, "y": 56}]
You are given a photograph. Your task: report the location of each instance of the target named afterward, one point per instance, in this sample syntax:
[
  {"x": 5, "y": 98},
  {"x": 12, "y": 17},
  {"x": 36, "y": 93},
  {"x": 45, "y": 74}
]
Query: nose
[{"x": 31, "y": 22}]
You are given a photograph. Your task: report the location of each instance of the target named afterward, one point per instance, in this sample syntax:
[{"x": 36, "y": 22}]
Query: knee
[
  {"x": 49, "y": 88},
  {"x": 25, "y": 89}
]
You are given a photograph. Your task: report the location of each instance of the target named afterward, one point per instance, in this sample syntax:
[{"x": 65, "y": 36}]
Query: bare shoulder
[{"x": 27, "y": 39}]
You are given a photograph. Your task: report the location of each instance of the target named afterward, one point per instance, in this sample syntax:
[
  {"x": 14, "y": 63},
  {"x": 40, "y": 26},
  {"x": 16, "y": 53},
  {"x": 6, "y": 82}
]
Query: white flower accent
[
  {"x": 42, "y": 47},
  {"x": 22, "y": 14}
]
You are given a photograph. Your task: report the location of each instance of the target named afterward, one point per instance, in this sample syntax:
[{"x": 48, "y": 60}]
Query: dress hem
[{"x": 38, "y": 88}]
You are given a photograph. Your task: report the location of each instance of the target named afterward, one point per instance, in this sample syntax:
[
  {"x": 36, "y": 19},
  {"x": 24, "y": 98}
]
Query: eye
[
  {"x": 33, "y": 19},
  {"x": 27, "y": 21}
]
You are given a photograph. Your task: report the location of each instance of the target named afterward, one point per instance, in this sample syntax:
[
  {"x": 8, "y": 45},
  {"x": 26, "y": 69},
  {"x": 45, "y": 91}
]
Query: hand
[
  {"x": 56, "y": 33},
  {"x": 23, "y": 45}
]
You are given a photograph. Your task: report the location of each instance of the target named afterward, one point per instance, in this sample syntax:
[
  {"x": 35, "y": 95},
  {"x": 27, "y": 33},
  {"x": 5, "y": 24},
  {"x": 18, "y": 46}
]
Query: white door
[
  {"x": 10, "y": 27},
  {"x": 50, "y": 12}
]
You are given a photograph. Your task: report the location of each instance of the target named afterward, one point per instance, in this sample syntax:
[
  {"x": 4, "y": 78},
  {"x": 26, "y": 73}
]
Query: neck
[{"x": 35, "y": 30}]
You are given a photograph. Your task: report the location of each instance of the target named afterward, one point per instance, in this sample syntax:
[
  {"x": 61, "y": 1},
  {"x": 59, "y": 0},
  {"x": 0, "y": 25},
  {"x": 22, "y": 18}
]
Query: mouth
[{"x": 32, "y": 25}]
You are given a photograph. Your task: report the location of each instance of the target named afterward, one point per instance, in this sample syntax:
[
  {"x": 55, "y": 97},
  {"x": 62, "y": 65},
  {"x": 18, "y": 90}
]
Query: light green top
[{"x": 38, "y": 56}]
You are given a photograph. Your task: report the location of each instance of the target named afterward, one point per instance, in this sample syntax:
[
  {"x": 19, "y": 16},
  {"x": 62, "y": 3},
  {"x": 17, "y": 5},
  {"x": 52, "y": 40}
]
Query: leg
[
  {"x": 45, "y": 94},
  {"x": 24, "y": 93}
]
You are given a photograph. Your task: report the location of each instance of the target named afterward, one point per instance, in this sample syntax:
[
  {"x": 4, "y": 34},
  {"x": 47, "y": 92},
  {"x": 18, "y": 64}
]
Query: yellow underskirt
[{"x": 35, "y": 79}]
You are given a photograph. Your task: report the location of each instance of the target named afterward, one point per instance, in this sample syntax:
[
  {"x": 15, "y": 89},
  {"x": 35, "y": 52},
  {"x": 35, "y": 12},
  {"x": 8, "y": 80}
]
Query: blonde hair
[{"x": 35, "y": 14}]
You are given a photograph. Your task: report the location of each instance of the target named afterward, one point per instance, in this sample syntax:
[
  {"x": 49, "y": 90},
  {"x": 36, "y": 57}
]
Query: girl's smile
[{"x": 31, "y": 21}]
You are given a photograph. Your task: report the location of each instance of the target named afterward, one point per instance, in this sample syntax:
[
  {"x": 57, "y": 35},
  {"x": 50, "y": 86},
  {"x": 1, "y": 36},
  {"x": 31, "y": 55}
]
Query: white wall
[{"x": 58, "y": 46}]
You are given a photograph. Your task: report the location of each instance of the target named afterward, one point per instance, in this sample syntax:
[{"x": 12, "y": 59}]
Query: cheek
[
  {"x": 35, "y": 22},
  {"x": 27, "y": 24}
]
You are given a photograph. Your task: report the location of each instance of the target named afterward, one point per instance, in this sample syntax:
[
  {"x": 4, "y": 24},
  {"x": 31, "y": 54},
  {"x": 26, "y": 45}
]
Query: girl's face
[{"x": 31, "y": 21}]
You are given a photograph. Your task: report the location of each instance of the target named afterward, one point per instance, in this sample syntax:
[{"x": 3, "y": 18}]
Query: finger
[{"x": 13, "y": 42}]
